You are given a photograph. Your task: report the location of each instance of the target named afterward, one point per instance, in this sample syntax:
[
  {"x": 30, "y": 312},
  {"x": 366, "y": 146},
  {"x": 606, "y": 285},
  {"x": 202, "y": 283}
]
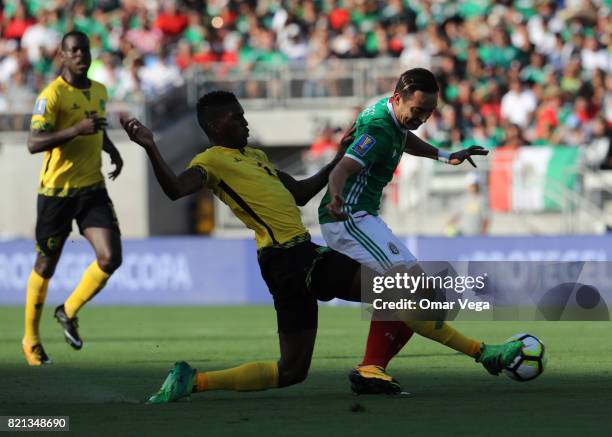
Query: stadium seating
[{"x": 512, "y": 73}]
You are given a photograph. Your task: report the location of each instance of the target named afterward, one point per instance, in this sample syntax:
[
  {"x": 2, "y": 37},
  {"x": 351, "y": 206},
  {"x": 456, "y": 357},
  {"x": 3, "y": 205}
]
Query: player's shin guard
[
  {"x": 92, "y": 281},
  {"x": 35, "y": 301},
  {"x": 443, "y": 333},
  {"x": 247, "y": 377}
]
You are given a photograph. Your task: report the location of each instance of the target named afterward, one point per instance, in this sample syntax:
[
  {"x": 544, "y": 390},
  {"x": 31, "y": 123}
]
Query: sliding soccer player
[{"x": 297, "y": 271}]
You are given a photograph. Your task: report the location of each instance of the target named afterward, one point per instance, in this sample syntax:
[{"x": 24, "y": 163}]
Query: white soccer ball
[{"x": 532, "y": 360}]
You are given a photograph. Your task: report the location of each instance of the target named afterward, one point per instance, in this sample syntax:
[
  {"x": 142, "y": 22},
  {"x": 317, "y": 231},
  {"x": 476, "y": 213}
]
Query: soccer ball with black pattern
[{"x": 532, "y": 360}]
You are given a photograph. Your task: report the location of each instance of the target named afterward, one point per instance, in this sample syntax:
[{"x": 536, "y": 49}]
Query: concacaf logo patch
[
  {"x": 363, "y": 144},
  {"x": 39, "y": 107}
]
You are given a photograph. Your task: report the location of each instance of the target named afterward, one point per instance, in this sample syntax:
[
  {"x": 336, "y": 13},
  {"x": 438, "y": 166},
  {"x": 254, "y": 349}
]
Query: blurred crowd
[
  {"x": 516, "y": 77},
  {"x": 513, "y": 72}
]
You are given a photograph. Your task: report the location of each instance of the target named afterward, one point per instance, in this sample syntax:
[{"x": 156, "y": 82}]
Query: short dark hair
[
  {"x": 75, "y": 34},
  {"x": 208, "y": 103},
  {"x": 416, "y": 79}
]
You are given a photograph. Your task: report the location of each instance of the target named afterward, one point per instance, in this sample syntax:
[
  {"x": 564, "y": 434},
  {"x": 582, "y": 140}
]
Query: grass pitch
[{"x": 128, "y": 351}]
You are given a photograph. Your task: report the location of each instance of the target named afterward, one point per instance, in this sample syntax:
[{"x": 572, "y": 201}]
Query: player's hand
[
  {"x": 90, "y": 125},
  {"x": 457, "y": 158},
  {"x": 335, "y": 207},
  {"x": 117, "y": 161},
  {"x": 138, "y": 132}
]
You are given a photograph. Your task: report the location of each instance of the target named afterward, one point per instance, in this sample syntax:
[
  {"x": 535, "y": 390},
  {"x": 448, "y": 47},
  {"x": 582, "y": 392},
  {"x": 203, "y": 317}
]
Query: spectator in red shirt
[
  {"x": 338, "y": 17},
  {"x": 491, "y": 101},
  {"x": 324, "y": 146},
  {"x": 17, "y": 25},
  {"x": 171, "y": 21},
  {"x": 547, "y": 115},
  {"x": 583, "y": 111}
]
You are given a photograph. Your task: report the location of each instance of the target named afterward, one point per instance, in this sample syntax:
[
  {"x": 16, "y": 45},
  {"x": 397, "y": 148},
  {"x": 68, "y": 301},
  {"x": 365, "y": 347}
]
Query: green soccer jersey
[{"x": 378, "y": 147}]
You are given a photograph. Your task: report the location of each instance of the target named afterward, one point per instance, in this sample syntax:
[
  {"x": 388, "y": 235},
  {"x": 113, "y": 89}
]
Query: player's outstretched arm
[
  {"x": 42, "y": 139},
  {"x": 175, "y": 187},
  {"x": 303, "y": 191},
  {"x": 417, "y": 147},
  {"x": 109, "y": 147}
]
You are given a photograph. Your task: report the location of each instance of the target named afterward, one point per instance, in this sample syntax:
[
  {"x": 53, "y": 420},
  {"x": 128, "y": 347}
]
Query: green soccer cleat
[
  {"x": 494, "y": 357},
  {"x": 178, "y": 384}
]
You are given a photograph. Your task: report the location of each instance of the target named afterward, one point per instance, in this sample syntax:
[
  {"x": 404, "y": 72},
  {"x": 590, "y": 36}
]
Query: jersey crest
[
  {"x": 39, "y": 107},
  {"x": 363, "y": 144}
]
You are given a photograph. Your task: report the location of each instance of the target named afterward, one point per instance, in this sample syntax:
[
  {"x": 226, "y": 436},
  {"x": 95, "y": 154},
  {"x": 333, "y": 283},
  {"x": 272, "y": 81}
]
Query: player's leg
[
  {"x": 296, "y": 312},
  {"x": 335, "y": 275},
  {"x": 98, "y": 224},
  {"x": 53, "y": 224},
  {"x": 386, "y": 337},
  {"x": 297, "y": 329},
  {"x": 296, "y": 336},
  {"x": 369, "y": 241},
  {"x": 292, "y": 368},
  {"x": 493, "y": 357},
  {"x": 296, "y": 354},
  {"x": 36, "y": 293},
  {"x": 107, "y": 247}
]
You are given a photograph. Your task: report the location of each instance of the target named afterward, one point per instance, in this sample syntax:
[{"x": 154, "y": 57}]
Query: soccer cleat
[
  {"x": 35, "y": 355},
  {"x": 178, "y": 384},
  {"x": 373, "y": 380},
  {"x": 495, "y": 357},
  {"x": 70, "y": 327}
]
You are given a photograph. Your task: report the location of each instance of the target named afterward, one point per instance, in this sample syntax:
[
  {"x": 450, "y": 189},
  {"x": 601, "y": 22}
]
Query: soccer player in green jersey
[{"x": 349, "y": 211}]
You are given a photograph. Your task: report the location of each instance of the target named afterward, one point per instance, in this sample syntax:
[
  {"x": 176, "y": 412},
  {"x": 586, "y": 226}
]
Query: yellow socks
[
  {"x": 93, "y": 280},
  {"x": 447, "y": 335},
  {"x": 35, "y": 300},
  {"x": 247, "y": 377}
]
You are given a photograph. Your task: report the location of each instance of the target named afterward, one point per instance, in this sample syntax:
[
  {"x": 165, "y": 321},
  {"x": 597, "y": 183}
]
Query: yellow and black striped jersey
[
  {"x": 246, "y": 181},
  {"x": 77, "y": 164}
]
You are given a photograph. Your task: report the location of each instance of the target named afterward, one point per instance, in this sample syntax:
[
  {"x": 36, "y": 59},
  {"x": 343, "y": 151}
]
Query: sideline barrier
[{"x": 215, "y": 271}]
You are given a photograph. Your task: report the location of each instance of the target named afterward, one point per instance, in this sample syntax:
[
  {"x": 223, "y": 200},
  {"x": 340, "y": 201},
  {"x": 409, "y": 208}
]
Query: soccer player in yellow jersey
[
  {"x": 297, "y": 271},
  {"x": 68, "y": 125}
]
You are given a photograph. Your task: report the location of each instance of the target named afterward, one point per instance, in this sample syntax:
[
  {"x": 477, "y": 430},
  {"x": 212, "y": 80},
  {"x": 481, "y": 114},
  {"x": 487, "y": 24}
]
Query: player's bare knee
[
  {"x": 301, "y": 374},
  {"x": 292, "y": 374},
  {"x": 109, "y": 262},
  {"x": 292, "y": 377},
  {"x": 46, "y": 270},
  {"x": 45, "y": 266}
]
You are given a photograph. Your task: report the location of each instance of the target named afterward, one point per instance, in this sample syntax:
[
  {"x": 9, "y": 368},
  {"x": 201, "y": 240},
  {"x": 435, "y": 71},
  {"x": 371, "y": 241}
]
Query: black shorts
[
  {"x": 55, "y": 214},
  {"x": 299, "y": 275}
]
